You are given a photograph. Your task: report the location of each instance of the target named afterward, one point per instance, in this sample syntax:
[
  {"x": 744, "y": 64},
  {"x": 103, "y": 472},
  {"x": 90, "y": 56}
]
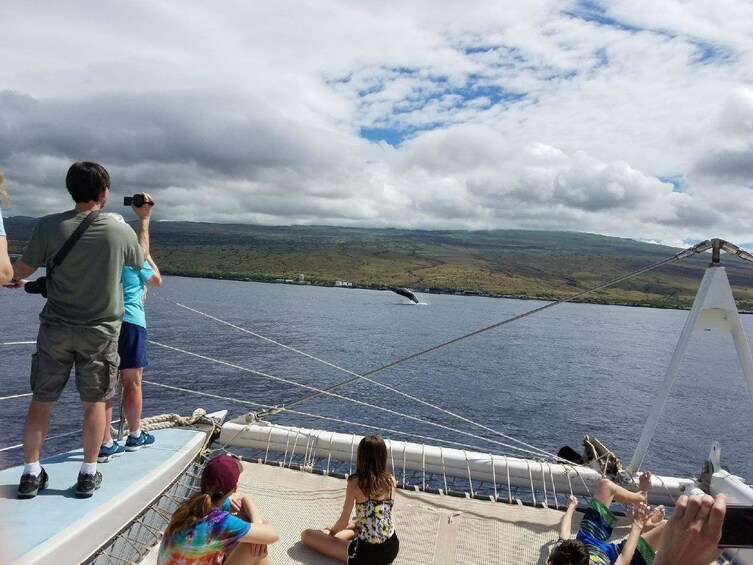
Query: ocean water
[{"x": 547, "y": 379}]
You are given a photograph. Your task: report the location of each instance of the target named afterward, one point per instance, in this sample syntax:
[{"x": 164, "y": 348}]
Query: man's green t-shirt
[{"x": 85, "y": 290}]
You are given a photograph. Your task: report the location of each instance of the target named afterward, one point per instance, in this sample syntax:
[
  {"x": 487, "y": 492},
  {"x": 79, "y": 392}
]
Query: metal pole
[{"x": 670, "y": 375}]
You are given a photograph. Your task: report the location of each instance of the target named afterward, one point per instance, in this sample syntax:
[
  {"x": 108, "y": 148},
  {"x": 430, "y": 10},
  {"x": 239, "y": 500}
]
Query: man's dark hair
[
  {"x": 569, "y": 552},
  {"x": 85, "y": 181}
]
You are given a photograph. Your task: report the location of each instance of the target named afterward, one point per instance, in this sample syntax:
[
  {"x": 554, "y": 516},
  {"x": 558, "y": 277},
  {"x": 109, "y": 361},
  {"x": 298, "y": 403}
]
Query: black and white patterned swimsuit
[{"x": 377, "y": 543}]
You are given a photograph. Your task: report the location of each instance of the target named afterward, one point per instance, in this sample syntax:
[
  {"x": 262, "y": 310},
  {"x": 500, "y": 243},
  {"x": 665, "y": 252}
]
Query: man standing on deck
[{"x": 80, "y": 322}]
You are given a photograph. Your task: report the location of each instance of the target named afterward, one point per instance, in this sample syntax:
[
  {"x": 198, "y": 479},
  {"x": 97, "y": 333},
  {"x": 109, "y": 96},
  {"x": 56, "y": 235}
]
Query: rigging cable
[{"x": 354, "y": 400}]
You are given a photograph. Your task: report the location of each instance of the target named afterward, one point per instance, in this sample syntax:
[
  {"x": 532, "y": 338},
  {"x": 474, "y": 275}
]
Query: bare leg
[
  {"x": 331, "y": 546},
  {"x": 107, "y": 436},
  {"x": 35, "y": 429},
  {"x": 248, "y": 554},
  {"x": 94, "y": 424},
  {"x": 132, "y": 400},
  {"x": 607, "y": 491}
]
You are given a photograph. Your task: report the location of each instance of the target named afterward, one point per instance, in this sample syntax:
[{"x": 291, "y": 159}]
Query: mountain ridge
[{"x": 517, "y": 263}]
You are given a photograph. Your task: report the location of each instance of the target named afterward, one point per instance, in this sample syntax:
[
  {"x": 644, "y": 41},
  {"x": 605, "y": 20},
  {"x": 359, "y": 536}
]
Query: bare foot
[
  {"x": 644, "y": 485},
  {"x": 644, "y": 481},
  {"x": 655, "y": 518}
]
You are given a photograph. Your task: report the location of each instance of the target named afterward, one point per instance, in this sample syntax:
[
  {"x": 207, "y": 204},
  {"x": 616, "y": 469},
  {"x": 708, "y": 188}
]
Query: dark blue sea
[{"x": 547, "y": 379}]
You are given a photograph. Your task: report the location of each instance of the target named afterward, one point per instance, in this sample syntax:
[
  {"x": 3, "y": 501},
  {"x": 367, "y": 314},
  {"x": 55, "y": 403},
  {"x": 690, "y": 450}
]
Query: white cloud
[{"x": 537, "y": 114}]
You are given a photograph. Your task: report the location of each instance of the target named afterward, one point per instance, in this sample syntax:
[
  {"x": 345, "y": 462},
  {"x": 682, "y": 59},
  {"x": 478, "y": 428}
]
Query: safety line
[
  {"x": 318, "y": 416},
  {"x": 355, "y": 401}
]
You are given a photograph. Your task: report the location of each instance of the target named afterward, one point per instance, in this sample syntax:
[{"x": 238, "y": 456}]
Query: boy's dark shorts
[
  {"x": 59, "y": 348},
  {"x": 132, "y": 346}
]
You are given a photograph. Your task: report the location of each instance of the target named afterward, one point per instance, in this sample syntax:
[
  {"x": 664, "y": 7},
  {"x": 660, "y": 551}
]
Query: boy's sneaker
[
  {"x": 144, "y": 440},
  {"x": 31, "y": 484},
  {"x": 107, "y": 453},
  {"x": 87, "y": 484}
]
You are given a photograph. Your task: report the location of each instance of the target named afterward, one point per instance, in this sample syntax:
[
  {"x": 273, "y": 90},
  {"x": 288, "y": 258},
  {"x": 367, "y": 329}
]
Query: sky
[{"x": 631, "y": 118}]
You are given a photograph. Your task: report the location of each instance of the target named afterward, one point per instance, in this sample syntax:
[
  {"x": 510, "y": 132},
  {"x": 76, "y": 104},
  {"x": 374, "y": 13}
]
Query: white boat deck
[{"x": 43, "y": 529}]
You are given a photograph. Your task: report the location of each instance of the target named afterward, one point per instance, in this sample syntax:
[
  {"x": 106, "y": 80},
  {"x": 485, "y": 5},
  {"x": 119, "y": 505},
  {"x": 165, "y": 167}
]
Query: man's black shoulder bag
[{"x": 39, "y": 286}]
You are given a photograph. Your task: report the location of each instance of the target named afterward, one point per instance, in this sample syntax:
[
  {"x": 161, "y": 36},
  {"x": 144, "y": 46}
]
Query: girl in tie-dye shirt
[{"x": 203, "y": 531}]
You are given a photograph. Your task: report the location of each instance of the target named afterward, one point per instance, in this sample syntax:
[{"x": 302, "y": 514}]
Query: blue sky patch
[
  {"x": 592, "y": 11},
  {"x": 677, "y": 182},
  {"x": 710, "y": 53},
  {"x": 392, "y": 136},
  {"x": 478, "y": 92}
]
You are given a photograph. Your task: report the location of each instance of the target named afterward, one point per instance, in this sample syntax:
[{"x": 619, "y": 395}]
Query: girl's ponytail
[{"x": 190, "y": 512}]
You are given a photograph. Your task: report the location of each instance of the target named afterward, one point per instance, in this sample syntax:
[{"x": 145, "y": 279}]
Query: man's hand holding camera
[{"x": 142, "y": 205}]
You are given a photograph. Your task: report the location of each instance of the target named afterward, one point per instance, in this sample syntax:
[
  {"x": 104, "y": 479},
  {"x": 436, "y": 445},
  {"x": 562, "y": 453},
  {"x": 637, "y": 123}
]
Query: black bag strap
[{"x": 72, "y": 240}]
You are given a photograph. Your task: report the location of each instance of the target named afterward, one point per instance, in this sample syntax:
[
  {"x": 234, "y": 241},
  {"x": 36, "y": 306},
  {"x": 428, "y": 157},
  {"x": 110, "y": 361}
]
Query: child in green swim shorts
[{"x": 592, "y": 545}]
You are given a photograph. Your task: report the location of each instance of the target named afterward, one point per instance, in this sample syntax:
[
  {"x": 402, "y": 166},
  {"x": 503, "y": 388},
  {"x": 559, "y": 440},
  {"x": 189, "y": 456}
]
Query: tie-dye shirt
[{"x": 204, "y": 543}]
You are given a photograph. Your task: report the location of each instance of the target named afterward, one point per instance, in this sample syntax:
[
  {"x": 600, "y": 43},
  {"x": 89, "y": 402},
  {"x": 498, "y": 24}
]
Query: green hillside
[{"x": 532, "y": 264}]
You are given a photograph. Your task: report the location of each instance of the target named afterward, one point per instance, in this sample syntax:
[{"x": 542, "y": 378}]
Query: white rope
[
  {"x": 533, "y": 449},
  {"x": 554, "y": 487},
  {"x": 352, "y": 447},
  {"x": 165, "y": 421},
  {"x": 317, "y": 416},
  {"x": 287, "y": 444},
  {"x": 423, "y": 466},
  {"x": 16, "y": 396},
  {"x": 329, "y": 455},
  {"x": 405, "y": 448},
  {"x": 292, "y": 451},
  {"x": 468, "y": 466},
  {"x": 494, "y": 479},
  {"x": 392, "y": 456},
  {"x": 269, "y": 443},
  {"x": 444, "y": 473},
  {"x": 543, "y": 481},
  {"x": 530, "y": 476},
  {"x": 509, "y": 486},
  {"x": 353, "y": 400},
  {"x": 19, "y": 445}
]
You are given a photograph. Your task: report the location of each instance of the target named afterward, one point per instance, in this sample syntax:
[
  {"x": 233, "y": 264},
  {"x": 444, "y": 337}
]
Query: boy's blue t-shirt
[
  {"x": 133, "y": 291},
  {"x": 2, "y": 227}
]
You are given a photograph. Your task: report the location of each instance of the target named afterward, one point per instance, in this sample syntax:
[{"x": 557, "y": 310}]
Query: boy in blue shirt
[{"x": 132, "y": 348}]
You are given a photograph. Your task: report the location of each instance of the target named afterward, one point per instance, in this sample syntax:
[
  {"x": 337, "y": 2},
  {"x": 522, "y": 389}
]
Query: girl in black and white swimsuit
[{"x": 371, "y": 538}]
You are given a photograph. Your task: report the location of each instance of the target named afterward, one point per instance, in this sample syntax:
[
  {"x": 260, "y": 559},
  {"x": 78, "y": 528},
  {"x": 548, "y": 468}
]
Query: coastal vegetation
[{"x": 516, "y": 263}]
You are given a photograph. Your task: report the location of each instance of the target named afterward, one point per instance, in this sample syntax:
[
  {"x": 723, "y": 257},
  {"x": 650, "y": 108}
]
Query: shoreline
[{"x": 448, "y": 291}]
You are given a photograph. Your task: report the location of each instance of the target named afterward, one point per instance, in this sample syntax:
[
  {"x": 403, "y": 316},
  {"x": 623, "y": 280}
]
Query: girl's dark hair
[
  {"x": 569, "y": 552},
  {"x": 85, "y": 181},
  {"x": 371, "y": 462},
  {"x": 193, "y": 510}
]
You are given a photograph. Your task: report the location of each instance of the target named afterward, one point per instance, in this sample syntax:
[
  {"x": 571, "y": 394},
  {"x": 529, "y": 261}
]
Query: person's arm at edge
[
  {"x": 156, "y": 279},
  {"x": 567, "y": 518},
  {"x": 20, "y": 271},
  {"x": 640, "y": 512},
  {"x": 689, "y": 540},
  {"x": 350, "y": 498},
  {"x": 6, "y": 269}
]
